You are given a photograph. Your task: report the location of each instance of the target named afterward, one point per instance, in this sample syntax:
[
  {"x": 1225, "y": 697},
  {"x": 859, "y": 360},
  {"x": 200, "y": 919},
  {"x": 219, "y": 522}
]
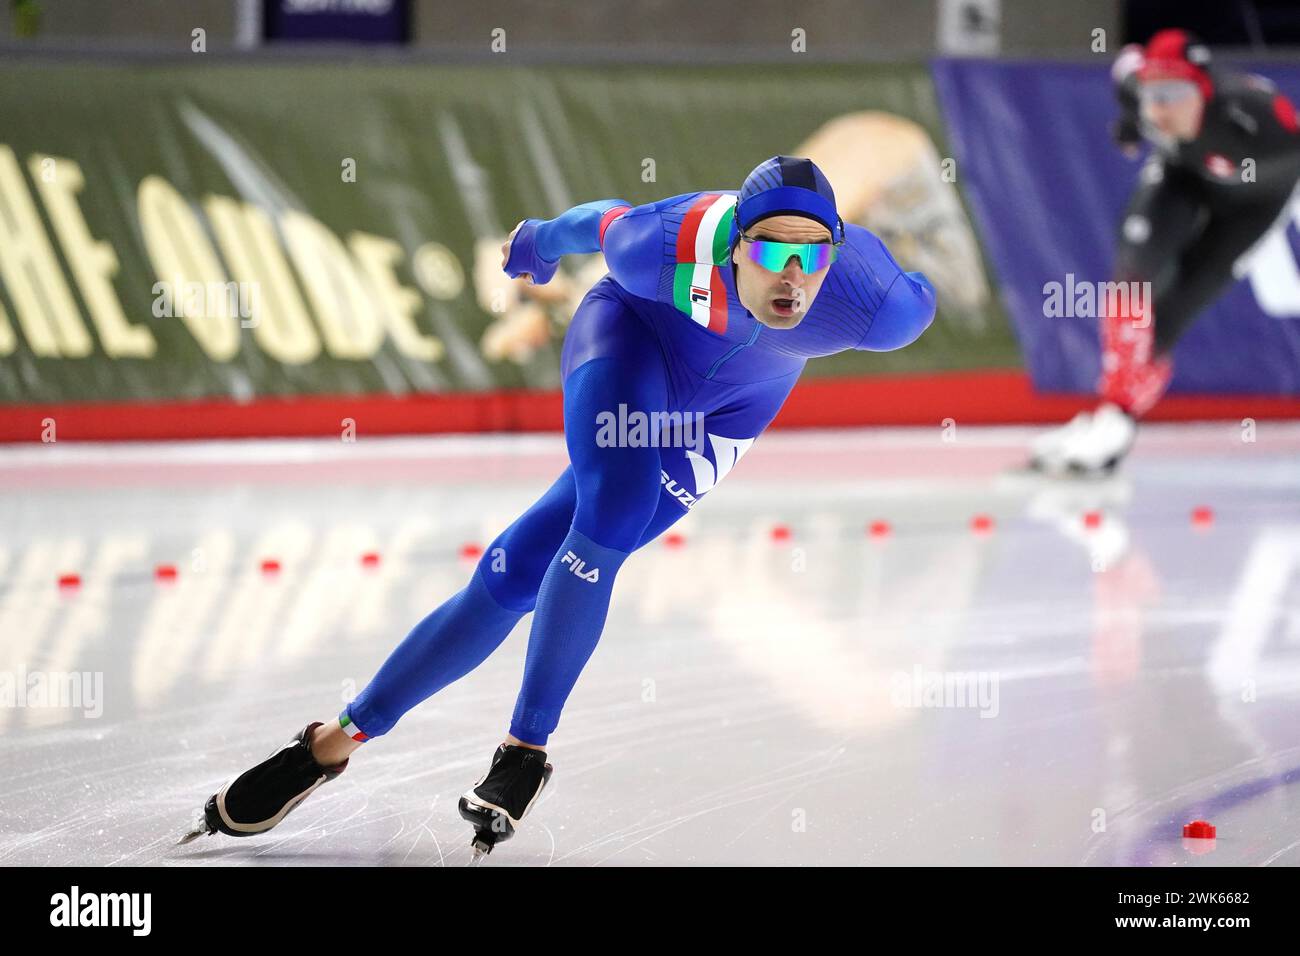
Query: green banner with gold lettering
[{"x": 240, "y": 230}]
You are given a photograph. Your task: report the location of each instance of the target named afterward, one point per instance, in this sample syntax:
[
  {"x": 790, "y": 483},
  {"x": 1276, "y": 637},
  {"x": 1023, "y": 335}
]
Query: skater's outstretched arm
[
  {"x": 1126, "y": 131},
  {"x": 536, "y": 246},
  {"x": 581, "y": 229},
  {"x": 633, "y": 240}
]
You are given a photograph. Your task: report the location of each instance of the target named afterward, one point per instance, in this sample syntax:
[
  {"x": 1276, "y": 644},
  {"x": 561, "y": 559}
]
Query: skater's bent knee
[
  {"x": 512, "y": 582},
  {"x": 615, "y": 521}
]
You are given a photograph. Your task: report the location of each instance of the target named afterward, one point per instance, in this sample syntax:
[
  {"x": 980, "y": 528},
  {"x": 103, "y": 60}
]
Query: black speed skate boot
[
  {"x": 260, "y": 798},
  {"x": 504, "y": 795}
]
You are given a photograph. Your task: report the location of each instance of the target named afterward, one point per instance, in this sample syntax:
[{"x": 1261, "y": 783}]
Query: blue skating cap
[{"x": 788, "y": 186}]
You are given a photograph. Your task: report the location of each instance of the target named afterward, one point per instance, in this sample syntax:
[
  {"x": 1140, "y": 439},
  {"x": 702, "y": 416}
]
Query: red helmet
[{"x": 1177, "y": 55}]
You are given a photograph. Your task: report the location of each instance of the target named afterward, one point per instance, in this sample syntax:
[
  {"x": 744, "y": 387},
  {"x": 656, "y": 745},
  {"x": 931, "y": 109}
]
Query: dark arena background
[{"x": 269, "y": 394}]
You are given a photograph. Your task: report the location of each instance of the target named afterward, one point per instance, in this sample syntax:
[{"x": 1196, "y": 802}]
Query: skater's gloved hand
[
  {"x": 519, "y": 256},
  {"x": 1124, "y": 131},
  {"x": 1126, "y": 65}
]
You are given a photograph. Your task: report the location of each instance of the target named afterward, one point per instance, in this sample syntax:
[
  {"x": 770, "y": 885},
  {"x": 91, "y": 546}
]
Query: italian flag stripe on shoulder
[{"x": 701, "y": 247}]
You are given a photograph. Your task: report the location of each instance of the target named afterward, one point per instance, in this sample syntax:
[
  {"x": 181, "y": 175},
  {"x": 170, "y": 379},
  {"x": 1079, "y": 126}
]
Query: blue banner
[{"x": 1049, "y": 188}]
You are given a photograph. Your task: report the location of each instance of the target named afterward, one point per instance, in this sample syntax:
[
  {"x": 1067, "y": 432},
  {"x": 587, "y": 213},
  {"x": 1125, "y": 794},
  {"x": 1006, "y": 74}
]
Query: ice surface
[{"x": 751, "y": 701}]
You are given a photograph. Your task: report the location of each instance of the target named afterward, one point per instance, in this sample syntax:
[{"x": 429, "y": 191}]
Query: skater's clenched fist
[{"x": 505, "y": 249}]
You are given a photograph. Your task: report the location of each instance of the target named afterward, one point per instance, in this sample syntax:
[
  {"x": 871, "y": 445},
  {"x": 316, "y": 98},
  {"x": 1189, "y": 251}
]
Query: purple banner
[{"x": 1049, "y": 187}]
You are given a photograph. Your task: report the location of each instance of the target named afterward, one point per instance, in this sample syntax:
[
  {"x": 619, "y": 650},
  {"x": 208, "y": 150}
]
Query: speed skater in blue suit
[{"x": 713, "y": 303}]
